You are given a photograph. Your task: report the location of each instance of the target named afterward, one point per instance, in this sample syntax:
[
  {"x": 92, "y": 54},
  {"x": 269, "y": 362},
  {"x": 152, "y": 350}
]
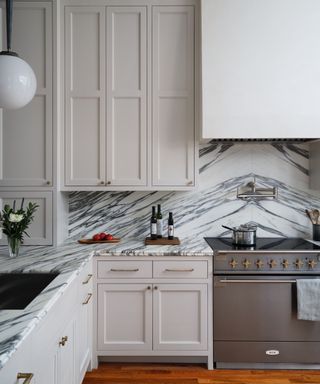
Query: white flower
[{"x": 15, "y": 218}]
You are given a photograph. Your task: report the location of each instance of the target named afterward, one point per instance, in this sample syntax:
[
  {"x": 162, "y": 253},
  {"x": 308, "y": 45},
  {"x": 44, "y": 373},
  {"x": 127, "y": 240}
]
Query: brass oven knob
[
  {"x": 272, "y": 263},
  {"x": 233, "y": 263},
  {"x": 285, "y": 263},
  {"x": 312, "y": 263},
  {"x": 259, "y": 264},
  {"x": 298, "y": 263},
  {"x": 246, "y": 263}
]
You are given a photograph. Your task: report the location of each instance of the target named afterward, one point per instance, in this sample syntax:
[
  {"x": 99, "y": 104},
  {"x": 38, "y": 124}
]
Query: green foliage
[{"x": 14, "y": 222}]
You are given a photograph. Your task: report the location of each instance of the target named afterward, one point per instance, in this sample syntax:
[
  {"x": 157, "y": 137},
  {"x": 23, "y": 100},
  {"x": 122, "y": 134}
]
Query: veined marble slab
[{"x": 223, "y": 167}]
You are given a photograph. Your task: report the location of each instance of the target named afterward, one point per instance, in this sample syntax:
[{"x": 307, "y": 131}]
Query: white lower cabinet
[
  {"x": 124, "y": 317},
  {"x": 21, "y": 363},
  {"x": 58, "y": 351},
  {"x": 165, "y": 313},
  {"x": 180, "y": 317},
  {"x": 145, "y": 317}
]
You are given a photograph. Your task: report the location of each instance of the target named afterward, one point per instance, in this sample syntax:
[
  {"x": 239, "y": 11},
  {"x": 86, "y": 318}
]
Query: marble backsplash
[{"x": 222, "y": 168}]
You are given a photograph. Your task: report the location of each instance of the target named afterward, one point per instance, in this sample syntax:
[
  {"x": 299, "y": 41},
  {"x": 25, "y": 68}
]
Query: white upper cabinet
[
  {"x": 84, "y": 96},
  {"x": 260, "y": 68},
  {"x": 126, "y": 95},
  {"x": 26, "y": 133},
  {"x": 129, "y": 95},
  {"x": 105, "y": 96},
  {"x": 173, "y": 102}
]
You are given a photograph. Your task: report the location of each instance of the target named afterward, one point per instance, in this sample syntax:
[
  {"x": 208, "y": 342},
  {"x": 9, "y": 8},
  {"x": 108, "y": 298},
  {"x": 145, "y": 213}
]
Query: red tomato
[
  {"x": 109, "y": 237},
  {"x": 96, "y": 237},
  {"x": 103, "y": 236}
]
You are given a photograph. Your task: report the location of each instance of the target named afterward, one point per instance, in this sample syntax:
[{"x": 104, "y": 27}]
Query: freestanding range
[{"x": 255, "y": 304}]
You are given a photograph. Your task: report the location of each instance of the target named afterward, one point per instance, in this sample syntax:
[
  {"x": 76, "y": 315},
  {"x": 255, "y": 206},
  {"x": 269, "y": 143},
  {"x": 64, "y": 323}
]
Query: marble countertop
[{"x": 68, "y": 259}]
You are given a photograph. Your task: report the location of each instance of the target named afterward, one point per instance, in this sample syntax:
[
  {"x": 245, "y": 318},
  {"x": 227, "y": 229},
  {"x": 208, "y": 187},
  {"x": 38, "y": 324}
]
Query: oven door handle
[{"x": 254, "y": 281}]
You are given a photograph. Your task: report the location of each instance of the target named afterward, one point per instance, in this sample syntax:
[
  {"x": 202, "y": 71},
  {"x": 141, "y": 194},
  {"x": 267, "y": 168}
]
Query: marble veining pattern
[{"x": 223, "y": 167}]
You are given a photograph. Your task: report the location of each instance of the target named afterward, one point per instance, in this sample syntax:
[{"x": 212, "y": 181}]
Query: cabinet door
[
  {"x": 173, "y": 125},
  {"x": 84, "y": 323},
  {"x": 124, "y": 317},
  {"x": 40, "y": 230},
  {"x": 180, "y": 317},
  {"x": 26, "y": 133},
  {"x": 84, "y": 96},
  {"x": 20, "y": 362},
  {"x": 126, "y": 96},
  {"x": 66, "y": 367}
]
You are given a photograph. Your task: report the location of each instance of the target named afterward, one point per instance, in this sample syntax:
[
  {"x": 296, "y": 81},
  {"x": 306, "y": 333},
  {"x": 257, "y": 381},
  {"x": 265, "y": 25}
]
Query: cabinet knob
[
  {"x": 148, "y": 288},
  {"x": 26, "y": 377},
  {"x": 190, "y": 182},
  {"x": 108, "y": 182},
  {"x": 155, "y": 288},
  {"x": 48, "y": 182},
  {"x": 63, "y": 341},
  {"x": 101, "y": 182}
]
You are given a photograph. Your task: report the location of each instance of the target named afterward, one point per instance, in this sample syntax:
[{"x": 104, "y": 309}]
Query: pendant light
[{"x": 18, "y": 82}]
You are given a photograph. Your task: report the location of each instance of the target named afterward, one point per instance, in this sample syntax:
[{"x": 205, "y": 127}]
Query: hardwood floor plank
[{"x": 116, "y": 373}]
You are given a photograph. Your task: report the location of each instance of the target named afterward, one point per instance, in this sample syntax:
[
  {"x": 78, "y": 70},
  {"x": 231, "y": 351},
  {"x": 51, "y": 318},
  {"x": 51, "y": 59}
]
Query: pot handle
[{"x": 231, "y": 229}]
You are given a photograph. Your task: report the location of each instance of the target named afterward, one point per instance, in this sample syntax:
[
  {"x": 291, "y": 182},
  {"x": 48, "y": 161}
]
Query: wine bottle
[
  {"x": 159, "y": 222},
  {"x": 170, "y": 227},
  {"x": 153, "y": 224}
]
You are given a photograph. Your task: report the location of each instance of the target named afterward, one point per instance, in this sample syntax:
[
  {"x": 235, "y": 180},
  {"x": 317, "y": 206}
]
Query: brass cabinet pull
[
  {"x": 155, "y": 287},
  {"x": 108, "y": 182},
  {"x": 88, "y": 279},
  {"x": 87, "y": 299},
  {"x": 63, "y": 341},
  {"x": 190, "y": 182},
  {"x": 149, "y": 287},
  {"x": 26, "y": 377},
  {"x": 101, "y": 182},
  {"x": 48, "y": 182},
  {"x": 179, "y": 270},
  {"x": 124, "y": 270},
  {"x": 257, "y": 281}
]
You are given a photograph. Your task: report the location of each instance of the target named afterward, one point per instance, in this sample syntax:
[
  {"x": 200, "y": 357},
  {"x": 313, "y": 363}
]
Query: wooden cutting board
[
  {"x": 162, "y": 241},
  {"x": 90, "y": 241}
]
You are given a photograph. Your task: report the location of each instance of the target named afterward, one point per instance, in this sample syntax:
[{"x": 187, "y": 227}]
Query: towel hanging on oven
[{"x": 308, "y": 296}]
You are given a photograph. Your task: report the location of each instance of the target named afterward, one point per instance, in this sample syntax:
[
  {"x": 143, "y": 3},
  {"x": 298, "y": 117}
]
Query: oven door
[{"x": 255, "y": 320}]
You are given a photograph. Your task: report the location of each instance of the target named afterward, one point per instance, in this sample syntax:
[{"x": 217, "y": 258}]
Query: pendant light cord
[
  {"x": 9, "y": 7},
  {"x": 9, "y": 13}
]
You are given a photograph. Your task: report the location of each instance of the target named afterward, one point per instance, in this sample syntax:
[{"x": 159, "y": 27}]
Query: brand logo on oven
[{"x": 272, "y": 352}]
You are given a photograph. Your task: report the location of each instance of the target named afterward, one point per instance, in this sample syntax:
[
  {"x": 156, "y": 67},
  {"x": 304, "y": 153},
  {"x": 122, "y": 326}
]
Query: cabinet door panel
[
  {"x": 84, "y": 96},
  {"x": 67, "y": 356},
  {"x": 126, "y": 95},
  {"x": 180, "y": 317},
  {"x": 173, "y": 128},
  {"x": 40, "y": 229},
  {"x": 26, "y": 133},
  {"x": 124, "y": 317}
]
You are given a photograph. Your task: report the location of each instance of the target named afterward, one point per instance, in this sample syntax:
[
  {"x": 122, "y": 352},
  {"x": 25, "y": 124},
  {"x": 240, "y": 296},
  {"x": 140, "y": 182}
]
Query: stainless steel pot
[{"x": 243, "y": 235}]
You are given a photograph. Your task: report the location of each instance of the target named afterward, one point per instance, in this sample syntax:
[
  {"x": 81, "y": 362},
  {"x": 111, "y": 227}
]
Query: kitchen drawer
[
  {"x": 134, "y": 269},
  {"x": 267, "y": 352},
  {"x": 180, "y": 269}
]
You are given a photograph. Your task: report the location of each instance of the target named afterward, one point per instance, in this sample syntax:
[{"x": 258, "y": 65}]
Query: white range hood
[{"x": 260, "y": 69}]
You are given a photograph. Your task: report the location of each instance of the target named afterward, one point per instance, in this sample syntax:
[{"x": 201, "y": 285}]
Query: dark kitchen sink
[{"x": 17, "y": 290}]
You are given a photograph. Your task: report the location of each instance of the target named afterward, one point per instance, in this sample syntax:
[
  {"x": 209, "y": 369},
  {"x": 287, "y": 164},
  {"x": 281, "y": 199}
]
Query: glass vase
[{"x": 14, "y": 246}]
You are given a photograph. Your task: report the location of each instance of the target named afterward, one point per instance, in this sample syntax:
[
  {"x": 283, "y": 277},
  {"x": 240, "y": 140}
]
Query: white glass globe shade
[{"x": 18, "y": 82}]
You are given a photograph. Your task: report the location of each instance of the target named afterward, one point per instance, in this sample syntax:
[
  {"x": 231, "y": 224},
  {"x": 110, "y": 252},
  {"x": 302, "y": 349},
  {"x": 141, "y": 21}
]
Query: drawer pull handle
[
  {"x": 88, "y": 279},
  {"x": 88, "y": 298},
  {"x": 63, "y": 341},
  {"x": 27, "y": 377},
  {"x": 272, "y": 352},
  {"x": 179, "y": 270},
  {"x": 257, "y": 281},
  {"x": 124, "y": 270}
]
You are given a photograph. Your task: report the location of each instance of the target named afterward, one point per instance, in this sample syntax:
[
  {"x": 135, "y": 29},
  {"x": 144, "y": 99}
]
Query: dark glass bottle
[
  {"x": 153, "y": 224},
  {"x": 170, "y": 227},
  {"x": 159, "y": 222}
]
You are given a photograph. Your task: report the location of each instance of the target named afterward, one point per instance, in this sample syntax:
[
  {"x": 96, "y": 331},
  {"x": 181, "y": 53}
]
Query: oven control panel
[{"x": 273, "y": 263}]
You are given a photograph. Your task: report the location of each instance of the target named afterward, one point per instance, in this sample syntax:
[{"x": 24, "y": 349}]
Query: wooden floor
[{"x": 192, "y": 374}]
